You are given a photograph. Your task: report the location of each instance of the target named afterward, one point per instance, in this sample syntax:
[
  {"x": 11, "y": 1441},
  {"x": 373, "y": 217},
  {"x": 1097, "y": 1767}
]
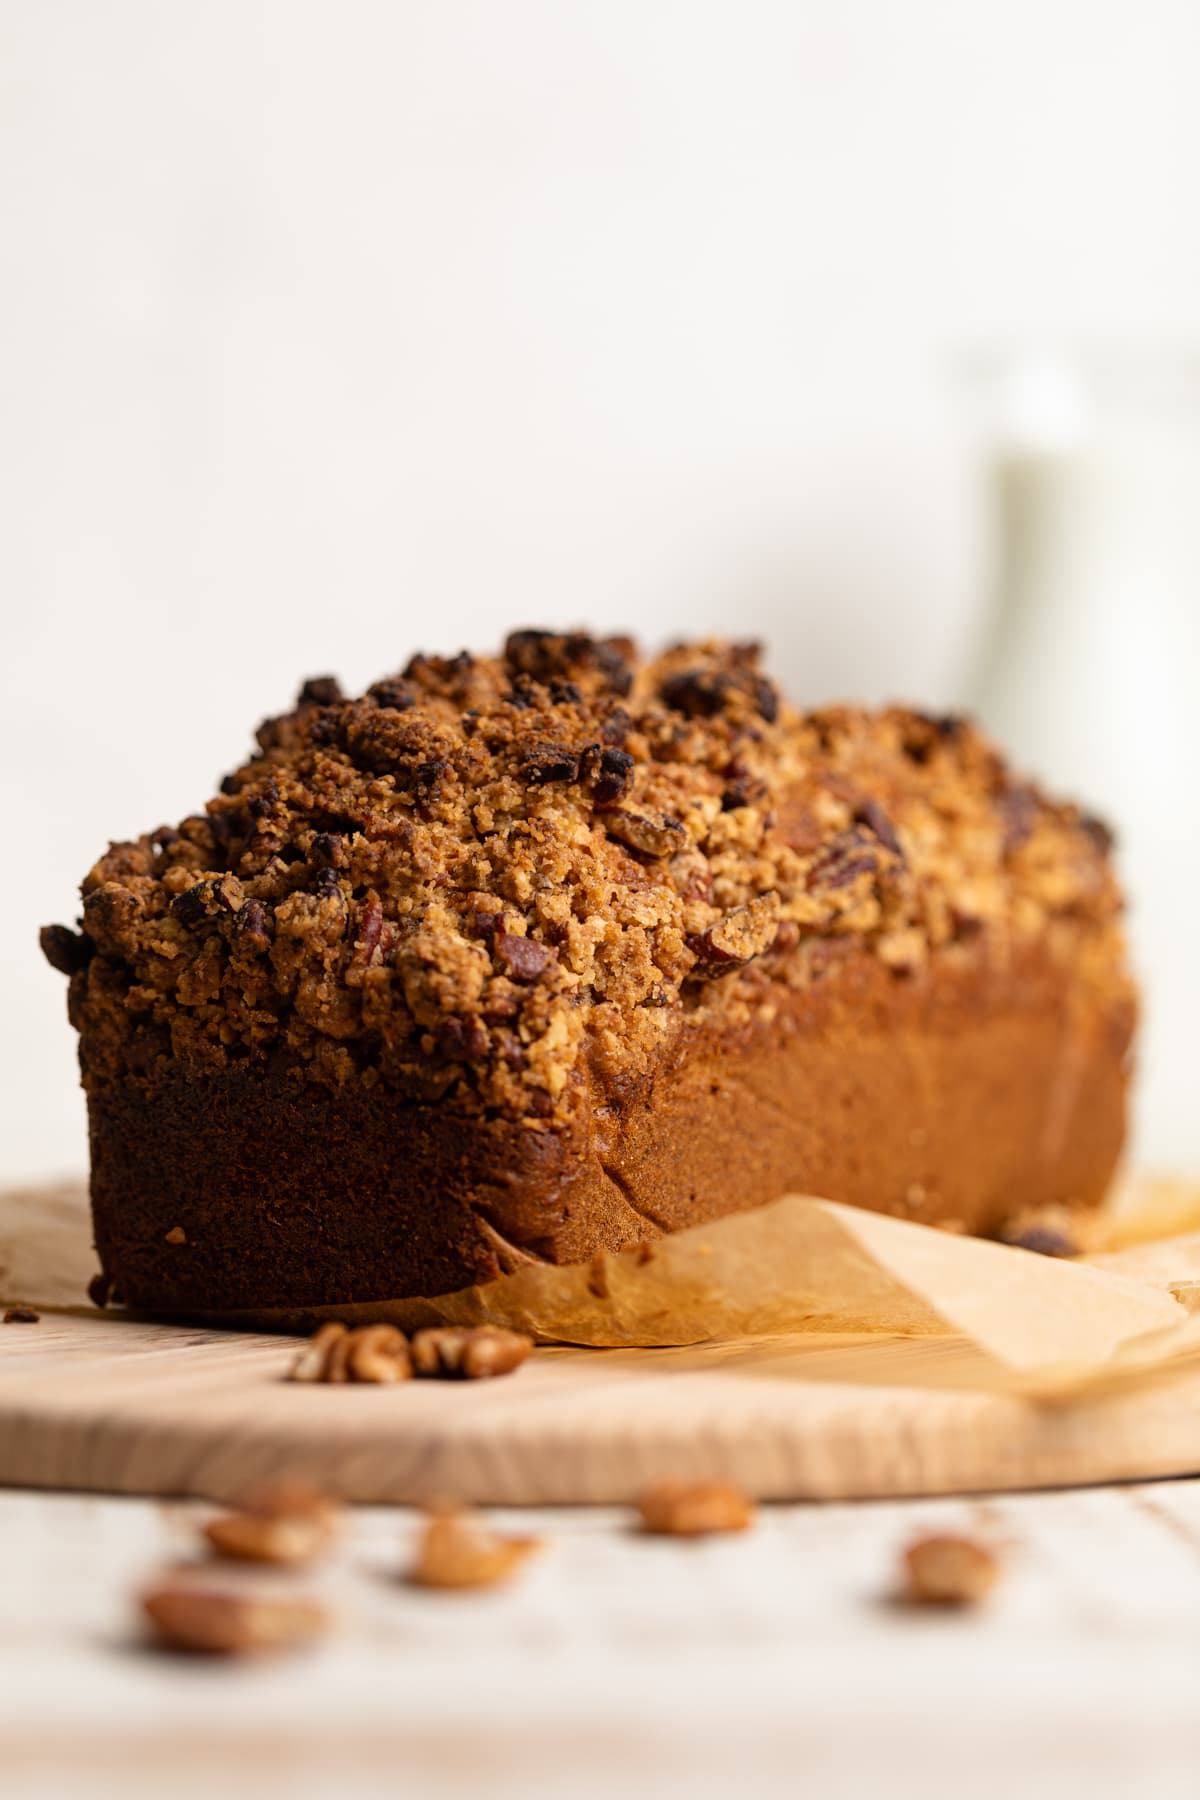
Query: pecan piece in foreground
[
  {"x": 469, "y": 1353},
  {"x": 948, "y": 1571},
  {"x": 245, "y": 1537},
  {"x": 456, "y": 1551},
  {"x": 286, "y": 1522},
  {"x": 694, "y": 1508},
  {"x": 231, "y": 1624},
  {"x": 377, "y": 1354},
  {"x": 22, "y": 1315}
]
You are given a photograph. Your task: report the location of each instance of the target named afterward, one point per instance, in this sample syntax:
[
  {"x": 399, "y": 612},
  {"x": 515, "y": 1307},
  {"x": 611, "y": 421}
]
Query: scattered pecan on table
[
  {"x": 217, "y": 1623},
  {"x": 458, "y": 1551},
  {"x": 287, "y": 1523},
  {"x": 948, "y": 1571},
  {"x": 22, "y": 1315},
  {"x": 694, "y": 1508}
]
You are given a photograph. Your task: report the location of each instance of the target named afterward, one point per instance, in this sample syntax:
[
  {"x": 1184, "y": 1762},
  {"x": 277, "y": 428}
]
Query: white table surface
[{"x": 756, "y": 1666}]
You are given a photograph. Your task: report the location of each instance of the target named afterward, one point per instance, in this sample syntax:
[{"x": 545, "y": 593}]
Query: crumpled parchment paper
[{"x": 809, "y": 1265}]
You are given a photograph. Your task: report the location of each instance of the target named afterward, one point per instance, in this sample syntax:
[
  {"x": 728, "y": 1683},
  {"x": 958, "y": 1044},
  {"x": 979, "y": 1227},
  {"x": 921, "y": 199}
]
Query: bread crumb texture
[{"x": 499, "y": 883}]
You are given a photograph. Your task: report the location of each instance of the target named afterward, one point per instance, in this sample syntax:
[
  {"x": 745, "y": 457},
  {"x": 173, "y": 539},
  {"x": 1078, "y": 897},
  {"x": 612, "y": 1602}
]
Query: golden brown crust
[{"x": 490, "y": 879}]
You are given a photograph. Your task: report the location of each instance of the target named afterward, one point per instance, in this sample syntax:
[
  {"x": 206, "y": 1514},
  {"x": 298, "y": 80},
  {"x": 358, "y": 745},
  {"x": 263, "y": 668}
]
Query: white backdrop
[{"x": 331, "y": 331}]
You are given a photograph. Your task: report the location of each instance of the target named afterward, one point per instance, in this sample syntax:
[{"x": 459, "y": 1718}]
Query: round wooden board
[{"x": 98, "y": 1401}]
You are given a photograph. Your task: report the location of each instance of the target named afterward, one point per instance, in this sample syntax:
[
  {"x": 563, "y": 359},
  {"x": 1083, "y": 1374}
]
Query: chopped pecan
[
  {"x": 500, "y": 1008},
  {"x": 439, "y": 671},
  {"x": 231, "y": 1624},
  {"x": 608, "y": 773},
  {"x": 522, "y": 958},
  {"x": 22, "y": 1315},
  {"x": 256, "y": 1537},
  {"x": 430, "y": 775},
  {"x": 176, "y": 1235},
  {"x": 844, "y": 860},
  {"x": 691, "y": 875},
  {"x": 64, "y": 949},
  {"x": 208, "y": 899},
  {"x": 702, "y": 693},
  {"x": 735, "y": 939},
  {"x": 694, "y": 1508},
  {"x": 372, "y": 928},
  {"x": 615, "y": 726},
  {"x": 948, "y": 1571},
  {"x": 109, "y": 912},
  {"x": 468, "y": 1352},
  {"x": 320, "y": 690},
  {"x": 455, "y": 1551},
  {"x": 328, "y": 851},
  {"x": 278, "y": 1522},
  {"x": 373, "y": 1353},
  {"x": 741, "y": 790},
  {"x": 251, "y": 926},
  {"x": 394, "y": 692},
  {"x": 540, "y": 764},
  {"x": 869, "y": 813},
  {"x": 511, "y": 1049},
  {"x": 547, "y": 656},
  {"x": 614, "y": 659},
  {"x": 653, "y": 833},
  {"x": 261, "y": 803},
  {"x": 379, "y": 1354},
  {"x": 313, "y": 1362},
  {"x": 922, "y": 732},
  {"x": 463, "y": 1040}
]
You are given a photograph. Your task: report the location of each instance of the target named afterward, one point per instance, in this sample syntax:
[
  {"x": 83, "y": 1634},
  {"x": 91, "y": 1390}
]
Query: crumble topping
[{"x": 490, "y": 878}]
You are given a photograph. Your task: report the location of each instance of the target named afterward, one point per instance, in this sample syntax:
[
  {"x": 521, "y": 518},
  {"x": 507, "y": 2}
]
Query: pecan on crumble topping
[{"x": 490, "y": 881}]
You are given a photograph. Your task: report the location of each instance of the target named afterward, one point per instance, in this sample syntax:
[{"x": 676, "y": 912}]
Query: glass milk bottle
[{"x": 1091, "y": 677}]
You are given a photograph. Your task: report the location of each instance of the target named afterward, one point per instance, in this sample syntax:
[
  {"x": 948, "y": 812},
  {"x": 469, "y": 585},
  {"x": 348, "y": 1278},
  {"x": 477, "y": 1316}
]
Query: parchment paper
[{"x": 809, "y": 1265}]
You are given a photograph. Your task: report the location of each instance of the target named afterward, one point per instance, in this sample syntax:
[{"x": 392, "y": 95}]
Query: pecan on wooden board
[
  {"x": 376, "y": 1354},
  {"x": 468, "y": 1353}
]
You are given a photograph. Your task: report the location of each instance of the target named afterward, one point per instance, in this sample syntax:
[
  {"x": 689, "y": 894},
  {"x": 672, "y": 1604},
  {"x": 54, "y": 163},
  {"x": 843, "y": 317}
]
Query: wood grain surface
[{"x": 92, "y": 1400}]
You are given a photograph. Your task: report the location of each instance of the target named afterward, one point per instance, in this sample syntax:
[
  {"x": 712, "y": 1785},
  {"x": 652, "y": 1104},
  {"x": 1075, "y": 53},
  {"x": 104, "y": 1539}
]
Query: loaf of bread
[{"x": 527, "y": 957}]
